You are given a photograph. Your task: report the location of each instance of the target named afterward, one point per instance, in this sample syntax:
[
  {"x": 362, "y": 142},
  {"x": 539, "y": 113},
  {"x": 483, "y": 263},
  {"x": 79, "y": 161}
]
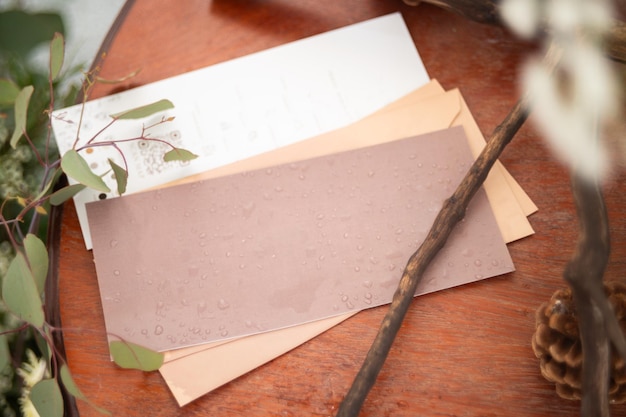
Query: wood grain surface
[{"x": 460, "y": 352}]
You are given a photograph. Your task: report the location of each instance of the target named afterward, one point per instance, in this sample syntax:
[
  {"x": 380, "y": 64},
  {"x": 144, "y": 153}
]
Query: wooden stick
[
  {"x": 452, "y": 212},
  {"x": 596, "y": 319}
]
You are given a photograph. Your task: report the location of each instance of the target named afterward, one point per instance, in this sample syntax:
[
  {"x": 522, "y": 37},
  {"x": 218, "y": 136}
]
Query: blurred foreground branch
[
  {"x": 597, "y": 322},
  {"x": 486, "y": 11}
]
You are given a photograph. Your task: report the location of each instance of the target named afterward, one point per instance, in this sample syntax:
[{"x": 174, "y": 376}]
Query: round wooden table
[{"x": 460, "y": 352}]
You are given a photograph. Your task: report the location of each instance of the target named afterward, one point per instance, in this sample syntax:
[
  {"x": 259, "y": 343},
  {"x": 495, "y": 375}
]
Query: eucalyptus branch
[
  {"x": 143, "y": 136},
  {"x": 24, "y": 326},
  {"x": 50, "y": 110},
  {"x": 34, "y": 148},
  {"x": 49, "y": 169},
  {"x": 118, "y": 141},
  {"x": 87, "y": 85},
  {"x": 117, "y": 80},
  {"x": 98, "y": 133},
  {"x": 452, "y": 212},
  {"x": 155, "y": 124},
  {"x": 91, "y": 78},
  {"x": 6, "y": 223},
  {"x": 117, "y": 148},
  {"x": 30, "y": 264}
]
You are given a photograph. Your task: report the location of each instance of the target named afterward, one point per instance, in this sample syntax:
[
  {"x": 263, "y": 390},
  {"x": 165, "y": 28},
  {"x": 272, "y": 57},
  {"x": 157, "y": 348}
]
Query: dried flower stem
[{"x": 452, "y": 212}]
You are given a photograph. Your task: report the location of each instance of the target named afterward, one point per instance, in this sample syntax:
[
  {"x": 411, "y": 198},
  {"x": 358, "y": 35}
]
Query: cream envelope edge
[
  {"x": 453, "y": 114},
  {"x": 189, "y": 379},
  {"x": 466, "y": 119},
  {"x": 368, "y": 131},
  {"x": 476, "y": 138},
  {"x": 401, "y": 119},
  {"x": 510, "y": 203}
]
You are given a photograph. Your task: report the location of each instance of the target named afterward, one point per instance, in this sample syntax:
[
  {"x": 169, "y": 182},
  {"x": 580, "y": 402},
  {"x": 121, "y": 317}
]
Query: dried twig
[
  {"x": 452, "y": 212},
  {"x": 486, "y": 11},
  {"x": 597, "y": 322}
]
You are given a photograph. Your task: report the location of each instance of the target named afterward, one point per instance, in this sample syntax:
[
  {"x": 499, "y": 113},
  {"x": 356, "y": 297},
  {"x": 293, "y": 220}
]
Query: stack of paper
[{"x": 322, "y": 169}]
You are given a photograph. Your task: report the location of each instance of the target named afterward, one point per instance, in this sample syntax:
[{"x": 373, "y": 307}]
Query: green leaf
[
  {"x": 20, "y": 292},
  {"x": 42, "y": 344},
  {"x": 179, "y": 154},
  {"x": 49, "y": 184},
  {"x": 121, "y": 176},
  {"x": 132, "y": 356},
  {"x": 57, "y": 52},
  {"x": 71, "y": 387},
  {"x": 37, "y": 256},
  {"x": 5, "y": 353},
  {"x": 4, "y": 132},
  {"x": 21, "y": 32},
  {"x": 144, "y": 111},
  {"x": 8, "y": 92},
  {"x": 21, "y": 109},
  {"x": 47, "y": 399},
  {"x": 76, "y": 167},
  {"x": 68, "y": 382},
  {"x": 61, "y": 196}
]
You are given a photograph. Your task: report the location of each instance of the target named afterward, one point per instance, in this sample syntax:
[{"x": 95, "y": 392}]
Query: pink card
[{"x": 290, "y": 244}]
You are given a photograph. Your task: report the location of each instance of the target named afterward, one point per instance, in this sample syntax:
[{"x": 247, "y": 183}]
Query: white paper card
[{"x": 246, "y": 106}]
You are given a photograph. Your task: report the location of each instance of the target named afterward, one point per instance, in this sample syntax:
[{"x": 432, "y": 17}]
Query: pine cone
[{"x": 557, "y": 344}]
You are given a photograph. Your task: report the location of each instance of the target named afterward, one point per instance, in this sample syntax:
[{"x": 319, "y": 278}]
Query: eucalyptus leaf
[
  {"x": 47, "y": 398},
  {"x": 42, "y": 344},
  {"x": 71, "y": 387},
  {"x": 131, "y": 356},
  {"x": 69, "y": 384},
  {"x": 61, "y": 196},
  {"x": 57, "y": 52},
  {"x": 4, "y": 132},
  {"x": 5, "y": 353},
  {"x": 76, "y": 167},
  {"x": 117, "y": 80},
  {"x": 49, "y": 184},
  {"x": 121, "y": 176},
  {"x": 37, "y": 256},
  {"x": 21, "y": 32},
  {"x": 8, "y": 92},
  {"x": 179, "y": 154},
  {"x": 145, "y": 111},
  {"x": 20, "y": 292},
  {"x": 21, "y": 109}
]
